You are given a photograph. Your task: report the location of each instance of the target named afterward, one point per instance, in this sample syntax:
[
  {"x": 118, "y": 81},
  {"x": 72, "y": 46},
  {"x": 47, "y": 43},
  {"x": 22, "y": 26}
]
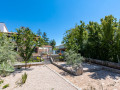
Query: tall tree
[
  {"x": 26, "y": 42},
  {"x": 52, "y": 43},
  {"x": 46, "y": 40},
  {"x": 39, "y": 33},
  {"x": 100, "y": 41}
]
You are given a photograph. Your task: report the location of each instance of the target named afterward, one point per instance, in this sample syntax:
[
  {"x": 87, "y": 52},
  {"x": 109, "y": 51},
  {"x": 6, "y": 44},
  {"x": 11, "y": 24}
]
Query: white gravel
[{"x": 39, "y": 78}]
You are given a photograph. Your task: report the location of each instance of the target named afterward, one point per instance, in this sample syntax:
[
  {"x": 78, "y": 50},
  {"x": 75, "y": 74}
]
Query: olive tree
[
  {"x": 74, "y": 59},
  {"x": 7, "y": 55}
]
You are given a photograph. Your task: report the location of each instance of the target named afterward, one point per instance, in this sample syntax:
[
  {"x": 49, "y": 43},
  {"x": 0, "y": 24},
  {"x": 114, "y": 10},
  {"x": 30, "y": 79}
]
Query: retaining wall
[{"x": 104, "y": 63}]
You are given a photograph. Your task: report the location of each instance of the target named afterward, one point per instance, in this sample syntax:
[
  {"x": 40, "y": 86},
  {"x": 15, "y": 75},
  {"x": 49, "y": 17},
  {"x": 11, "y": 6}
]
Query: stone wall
[{"x": 104, "y": 63}]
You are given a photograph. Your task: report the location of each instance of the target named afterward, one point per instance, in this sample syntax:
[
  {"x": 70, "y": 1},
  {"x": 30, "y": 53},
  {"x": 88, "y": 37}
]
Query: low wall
[
  {"x": 65, "y": 69},
  {"x": 28, "y": 64},
  {"x": 104, "y": 63},
  {"x": 55, "y": 57}
]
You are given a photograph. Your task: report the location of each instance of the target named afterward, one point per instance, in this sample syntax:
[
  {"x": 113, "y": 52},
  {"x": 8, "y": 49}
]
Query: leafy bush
[
  {"x": 6, "y": 69},
  {"x": 1, "y": 81},
  {"x": 38, "y": 58},
  {"x": 42, "y": 59},
  {"x": 7, "y": 55},
  {"x": 61, "y": 58},
  {"x": 60, "y": 54},
  {"x": 5, "y": 86},
  {"x": 73, "y": 58}
]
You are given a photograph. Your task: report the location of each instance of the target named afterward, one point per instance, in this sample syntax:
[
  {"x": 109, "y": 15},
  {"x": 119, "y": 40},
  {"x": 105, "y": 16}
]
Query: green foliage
[
  {"x": 46, "y": 40},
  {"x": 75, "y": 38},
  {"x": 26, "y": 42},
  {"x": 52, "y": 43},
  {"x": 24, "y": 78},
  {"x": 99, "y": 41},
  {"x": 5, "y": 86},
  {"x": 38, "y": 58},
  {"x": 73, "y": 58},
  {"x": 1, "y": 81},
  {"x": 7, "y": 55},
  {"x": 61, "y": 57},
  {"x": 39, "y": 33}
]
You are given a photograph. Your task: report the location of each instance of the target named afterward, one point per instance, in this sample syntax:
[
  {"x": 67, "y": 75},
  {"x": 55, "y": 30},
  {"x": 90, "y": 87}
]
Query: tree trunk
[{"x": 25, "y": 64}]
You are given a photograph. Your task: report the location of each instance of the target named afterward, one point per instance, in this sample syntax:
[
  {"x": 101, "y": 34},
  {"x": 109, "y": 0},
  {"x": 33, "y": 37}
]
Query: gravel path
[{"x": 39, "y": 78}]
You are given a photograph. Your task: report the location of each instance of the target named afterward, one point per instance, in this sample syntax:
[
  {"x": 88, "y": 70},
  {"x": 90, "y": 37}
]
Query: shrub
[
  {"x": 24, "y": 77},
  {"x": 60, "y": 54},
  {"x": 73, "y": 58},
  {"x": 42, "y": 59},
  {"x": 61, "y": 58},
  {"x": 1, "y": 81},
  {"x": 39, "y": 59},
  {"x": 5, "y": 86},
  {"x": 22, "y": 80},
  {"x": 6, "y": 69},
  {"x": 7, "y": 55}
]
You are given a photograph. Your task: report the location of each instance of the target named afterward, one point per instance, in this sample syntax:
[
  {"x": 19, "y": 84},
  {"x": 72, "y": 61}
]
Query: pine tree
[{"x": 46, "y": 40}]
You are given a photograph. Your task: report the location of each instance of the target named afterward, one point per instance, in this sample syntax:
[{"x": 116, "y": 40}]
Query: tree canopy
[
  {"x": 94, "y": 40},
  {"x": 52, "y": 43},
  {"x": 26, "y": 42},
  {"x": 45, "y": 38}
]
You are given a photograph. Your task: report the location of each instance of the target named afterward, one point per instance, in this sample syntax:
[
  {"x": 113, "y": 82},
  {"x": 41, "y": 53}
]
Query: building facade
[{"x": 60, "y": 49}]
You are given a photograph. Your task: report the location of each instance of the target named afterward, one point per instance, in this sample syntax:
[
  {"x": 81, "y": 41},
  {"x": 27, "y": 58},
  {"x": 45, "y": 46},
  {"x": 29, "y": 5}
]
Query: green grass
[{"x": 5, "y": 86}]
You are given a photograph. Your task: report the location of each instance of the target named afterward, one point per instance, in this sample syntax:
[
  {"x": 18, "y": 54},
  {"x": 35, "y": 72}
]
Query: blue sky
[{"x": 54, "y": 16}]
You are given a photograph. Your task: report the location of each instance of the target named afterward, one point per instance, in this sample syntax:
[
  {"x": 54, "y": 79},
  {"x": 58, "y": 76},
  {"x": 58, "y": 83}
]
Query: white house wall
[{"x": 3, "y": 27}]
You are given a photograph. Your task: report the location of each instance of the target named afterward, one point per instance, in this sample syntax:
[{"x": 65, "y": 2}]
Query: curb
[{"x": 64, "y": 78}]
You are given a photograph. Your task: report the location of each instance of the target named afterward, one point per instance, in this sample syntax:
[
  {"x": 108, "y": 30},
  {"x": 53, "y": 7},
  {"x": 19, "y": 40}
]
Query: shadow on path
[
  {"x": 20, "y": 70},
  {"x": 102, "y": 74}
]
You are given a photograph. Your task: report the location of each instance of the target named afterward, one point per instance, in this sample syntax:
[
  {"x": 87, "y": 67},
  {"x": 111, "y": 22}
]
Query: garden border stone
[
  {"x": 65, "y": 69},
  {"x": 28, "y": 64},
  {"x": 104, "y": 63},
  {"x": 98, "y": 62}
]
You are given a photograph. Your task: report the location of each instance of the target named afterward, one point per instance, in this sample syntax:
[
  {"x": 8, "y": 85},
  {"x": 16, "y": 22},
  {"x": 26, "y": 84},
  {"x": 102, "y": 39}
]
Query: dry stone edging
[
  {"x": 104, "y": 63},
  {"x": 65, "y": 69},
  {"x": 28, "y": 64}
]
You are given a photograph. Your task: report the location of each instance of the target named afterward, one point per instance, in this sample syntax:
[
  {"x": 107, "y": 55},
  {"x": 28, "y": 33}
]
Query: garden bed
[{"x": 98, "y": 78}]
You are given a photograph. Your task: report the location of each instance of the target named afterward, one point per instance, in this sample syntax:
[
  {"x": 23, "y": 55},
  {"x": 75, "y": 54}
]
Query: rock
[{"x": 79, "y": 71}]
